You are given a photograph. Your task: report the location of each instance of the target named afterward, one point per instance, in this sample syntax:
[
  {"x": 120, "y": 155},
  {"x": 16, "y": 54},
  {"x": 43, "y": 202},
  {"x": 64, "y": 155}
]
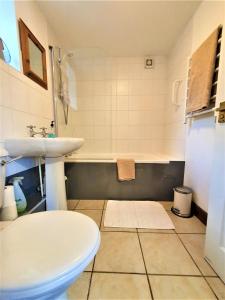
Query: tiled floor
[{"x": 147, "y": 264}]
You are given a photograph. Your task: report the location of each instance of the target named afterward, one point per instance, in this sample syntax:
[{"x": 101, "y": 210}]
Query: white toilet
[{"x": 42, "y": 254}]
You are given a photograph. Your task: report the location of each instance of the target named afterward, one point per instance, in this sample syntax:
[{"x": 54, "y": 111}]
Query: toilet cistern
[{"x": 53, "y": 151}]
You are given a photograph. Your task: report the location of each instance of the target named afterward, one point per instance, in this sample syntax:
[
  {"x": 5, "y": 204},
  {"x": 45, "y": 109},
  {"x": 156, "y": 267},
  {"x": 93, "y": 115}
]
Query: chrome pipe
[
  {"x": 54, "y": 101},
  {"x": 6, "y": 162}
]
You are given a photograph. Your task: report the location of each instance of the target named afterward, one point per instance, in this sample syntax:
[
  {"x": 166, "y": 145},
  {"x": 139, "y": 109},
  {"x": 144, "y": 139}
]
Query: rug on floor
[{"x": 137, "y": 214}]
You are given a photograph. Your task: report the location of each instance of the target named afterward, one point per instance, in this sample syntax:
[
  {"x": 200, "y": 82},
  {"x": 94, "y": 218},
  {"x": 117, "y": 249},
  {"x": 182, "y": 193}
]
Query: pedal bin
[{"x": 182, "y": 201}]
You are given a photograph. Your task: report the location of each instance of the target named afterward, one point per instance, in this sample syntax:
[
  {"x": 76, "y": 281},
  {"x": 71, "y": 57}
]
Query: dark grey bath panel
[{"x": 99, "y": 181}]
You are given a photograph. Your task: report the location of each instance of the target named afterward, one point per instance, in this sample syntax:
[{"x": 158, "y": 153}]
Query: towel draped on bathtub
[{"x": 126, "y": 169}]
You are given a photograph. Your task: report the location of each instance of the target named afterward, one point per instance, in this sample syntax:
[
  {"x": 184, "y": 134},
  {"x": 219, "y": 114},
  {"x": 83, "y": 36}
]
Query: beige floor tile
[
  {"x": 156, "y": 230},
  {"x": 187, "y": 225},
  {"x": 79, "y": 289},
  {"x": 119, "y": 229},
  {"x": 166, "y": 204},
  {"x": 165, "y": 254},
  {"x": 119, "y": 252},
  {"x": 218, "y": 287},
  {"x": 71, "y": 204},
  {"x": 90, "y": 204},
  {"x": 180, "y": 287},
  {"x": 96, "y": 215},
  {"x": 119, "y": 287},
  {"x": 105, "y": 204},
  {"x": 195, "y": 245},
  {"x": 90, "y": 267}
]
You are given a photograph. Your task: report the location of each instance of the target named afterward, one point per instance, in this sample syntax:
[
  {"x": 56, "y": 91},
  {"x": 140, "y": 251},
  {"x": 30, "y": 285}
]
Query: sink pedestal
[
  {"x": 55, "y": 184},
  {"x": 53, "y": 150}
]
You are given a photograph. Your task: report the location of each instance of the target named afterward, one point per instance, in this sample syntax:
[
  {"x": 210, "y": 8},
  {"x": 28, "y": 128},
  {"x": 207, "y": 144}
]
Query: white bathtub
[{"x": 112, "y": 157}]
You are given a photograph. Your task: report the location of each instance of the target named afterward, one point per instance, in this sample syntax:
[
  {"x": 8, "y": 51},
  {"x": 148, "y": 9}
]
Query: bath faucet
[{"x": 32, "y": 132}]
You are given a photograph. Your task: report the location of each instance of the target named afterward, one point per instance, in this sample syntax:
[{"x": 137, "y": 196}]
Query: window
[{"x": 9, "y": 32}]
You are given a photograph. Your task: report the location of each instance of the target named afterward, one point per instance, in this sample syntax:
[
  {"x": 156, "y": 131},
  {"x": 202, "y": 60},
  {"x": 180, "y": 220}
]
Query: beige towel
[
  {"x": 201, "y": 74},
  {"x": 126, "y": 169}
]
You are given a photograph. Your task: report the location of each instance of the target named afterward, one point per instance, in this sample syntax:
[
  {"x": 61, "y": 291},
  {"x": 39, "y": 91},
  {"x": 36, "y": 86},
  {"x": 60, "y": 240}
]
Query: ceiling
[{"x": 119, "y": 28}]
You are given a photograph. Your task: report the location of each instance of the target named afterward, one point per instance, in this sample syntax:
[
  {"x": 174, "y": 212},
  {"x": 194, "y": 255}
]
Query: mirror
[{"x": 33, "y": 56}]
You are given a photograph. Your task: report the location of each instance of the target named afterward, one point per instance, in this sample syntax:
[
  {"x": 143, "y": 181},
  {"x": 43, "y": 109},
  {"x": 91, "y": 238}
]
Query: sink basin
[
  {"x": 53, "y": 149},
  {"x": 46, "y": 147}
]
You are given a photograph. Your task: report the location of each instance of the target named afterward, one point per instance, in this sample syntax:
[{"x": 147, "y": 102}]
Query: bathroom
[{"x": 115, "y": 88}]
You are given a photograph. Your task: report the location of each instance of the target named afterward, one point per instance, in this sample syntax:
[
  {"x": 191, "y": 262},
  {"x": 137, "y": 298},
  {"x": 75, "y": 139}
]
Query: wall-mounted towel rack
[
  {"x": 200, "y": 113},
  {"x": 212, "y": 99}
]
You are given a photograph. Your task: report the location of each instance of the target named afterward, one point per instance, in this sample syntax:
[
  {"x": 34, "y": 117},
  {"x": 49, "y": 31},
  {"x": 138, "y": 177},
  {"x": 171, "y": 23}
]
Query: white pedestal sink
[{"x": 53, "y": 150}]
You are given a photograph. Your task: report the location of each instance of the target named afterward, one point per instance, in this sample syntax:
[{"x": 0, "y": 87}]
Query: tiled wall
[
  {"x": 22, "y": 101},
  {"x": 120, "y": 104}
]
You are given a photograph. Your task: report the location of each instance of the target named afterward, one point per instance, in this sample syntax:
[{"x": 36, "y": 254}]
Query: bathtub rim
[{"x": 112, "y": 158}]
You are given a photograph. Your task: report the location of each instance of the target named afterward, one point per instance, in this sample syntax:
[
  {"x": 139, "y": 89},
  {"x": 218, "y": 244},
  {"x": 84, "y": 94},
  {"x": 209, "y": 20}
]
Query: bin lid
[{"x": 183, "y": 190}]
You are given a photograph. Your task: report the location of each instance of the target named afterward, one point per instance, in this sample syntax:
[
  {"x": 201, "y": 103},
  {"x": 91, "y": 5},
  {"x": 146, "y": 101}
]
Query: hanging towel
[
  {"x": 126, "y": 169},
  {"x": 68, "y": 91},
  {"x": 201, "y": 74}
]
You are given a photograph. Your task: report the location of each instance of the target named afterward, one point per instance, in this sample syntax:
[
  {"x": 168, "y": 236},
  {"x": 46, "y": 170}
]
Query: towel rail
[
  {"x": 212, "y": 98},
  {"x": 200, "y": 113}
]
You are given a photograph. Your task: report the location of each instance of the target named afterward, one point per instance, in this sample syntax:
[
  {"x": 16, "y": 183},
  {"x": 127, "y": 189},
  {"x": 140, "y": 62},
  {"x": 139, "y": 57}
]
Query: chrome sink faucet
[{"x": 32, "y": 132}]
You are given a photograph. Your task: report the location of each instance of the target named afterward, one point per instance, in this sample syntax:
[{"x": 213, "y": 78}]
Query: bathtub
[
  {"x": 112, "y": 157},
  {"x": 94, "y": 176}
]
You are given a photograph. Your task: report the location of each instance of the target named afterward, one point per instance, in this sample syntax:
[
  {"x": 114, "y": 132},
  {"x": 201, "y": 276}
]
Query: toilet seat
[{"x": 41, "y": 251}]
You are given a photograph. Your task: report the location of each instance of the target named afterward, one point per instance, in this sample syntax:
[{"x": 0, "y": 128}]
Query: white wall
[
  {"x": 198, "y": 151},
  {"x": 200, "y": 136},
  {"x": 120, "y": 104},
  {"x": 22, "y": 101},
  {"x": 174, "y": 114}
]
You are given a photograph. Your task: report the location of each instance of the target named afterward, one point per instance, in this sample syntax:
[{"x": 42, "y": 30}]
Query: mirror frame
[{"x": 26, "y": 34}]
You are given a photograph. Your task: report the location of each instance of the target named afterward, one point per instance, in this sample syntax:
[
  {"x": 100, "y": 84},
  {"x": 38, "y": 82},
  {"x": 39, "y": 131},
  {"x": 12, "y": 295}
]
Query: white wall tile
[
  {"x": 7, "y": 123},
  {"x": 19, "y": 94},
  {"x": 5, "y": 89},
  {"x": 102, "y": 102},
  {"x": 1, "y": 122},
  {"x": 120, "y": 132},
  {"x": 120, "y": 146},
  {"x": 102, "y": 132},
  {"x": 120, "y": 118},
  {"x": 122, "y": 100},
  {"x": 85, "y": 103},
  {"x": 122, "y": 103},
  {"x": 122, "y": 87},
  {"x": 123, "y": 71},
  {"x": 102, "y": 146},
  {"x": 102, "y": 118},
  {"x": 84, "y": 88},
  {"x": 86, "y": 132},
  {"x": 83, "y": 118}
]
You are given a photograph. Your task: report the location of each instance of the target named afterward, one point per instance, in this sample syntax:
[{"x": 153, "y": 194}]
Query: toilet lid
[{"x": 37, "y": 248}]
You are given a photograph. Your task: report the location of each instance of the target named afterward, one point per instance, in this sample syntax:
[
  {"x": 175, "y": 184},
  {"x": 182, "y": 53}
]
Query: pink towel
[{"x": 126, "y": 169}]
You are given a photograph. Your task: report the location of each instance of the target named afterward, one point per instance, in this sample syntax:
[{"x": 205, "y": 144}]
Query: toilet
[{"x": 42, "y": 254}]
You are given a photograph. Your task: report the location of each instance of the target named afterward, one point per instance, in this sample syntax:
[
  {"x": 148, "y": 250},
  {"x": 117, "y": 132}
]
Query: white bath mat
[{"x": 137, "y": 214}]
